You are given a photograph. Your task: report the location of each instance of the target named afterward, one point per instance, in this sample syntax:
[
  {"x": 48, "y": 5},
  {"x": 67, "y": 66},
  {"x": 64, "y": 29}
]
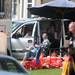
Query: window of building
[
  {"x": 29, "y": 1},
  {"x": 15, "y": 5},
  {"x": 29, "y": 14},
  {"x": 1, "y": 7},
  {"x": 28, "y": 6},
  {"x": 22, "y": 8},
  {"x": 19, "y": 1}
]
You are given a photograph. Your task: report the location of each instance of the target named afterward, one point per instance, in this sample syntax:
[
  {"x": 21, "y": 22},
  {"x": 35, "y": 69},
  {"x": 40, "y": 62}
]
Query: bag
[{"x": 66, "y": 67}]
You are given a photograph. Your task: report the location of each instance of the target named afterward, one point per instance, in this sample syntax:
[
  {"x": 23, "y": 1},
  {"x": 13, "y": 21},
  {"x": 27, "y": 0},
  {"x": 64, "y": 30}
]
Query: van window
[{"x": 24, "y": 31}]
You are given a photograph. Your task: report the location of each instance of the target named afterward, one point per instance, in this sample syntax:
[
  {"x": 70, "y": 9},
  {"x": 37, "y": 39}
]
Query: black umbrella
[{"x": 57, "y": 9}]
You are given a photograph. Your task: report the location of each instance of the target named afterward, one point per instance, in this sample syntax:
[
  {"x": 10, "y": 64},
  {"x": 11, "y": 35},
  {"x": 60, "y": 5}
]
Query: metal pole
[{"x": 62, "y": 36}]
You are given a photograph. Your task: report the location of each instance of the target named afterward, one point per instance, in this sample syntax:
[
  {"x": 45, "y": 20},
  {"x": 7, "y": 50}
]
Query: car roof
[
  {"x": 2, "y": 57},
  {"x": 32, "y": 19},
  {"x": 10, "y": 73}
]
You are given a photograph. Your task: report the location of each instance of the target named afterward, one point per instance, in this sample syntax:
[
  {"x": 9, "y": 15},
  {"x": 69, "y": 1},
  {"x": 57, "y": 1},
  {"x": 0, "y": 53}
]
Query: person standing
[
  {"x": 72, "y": 34},
  {"x": 69, "y": 63}
]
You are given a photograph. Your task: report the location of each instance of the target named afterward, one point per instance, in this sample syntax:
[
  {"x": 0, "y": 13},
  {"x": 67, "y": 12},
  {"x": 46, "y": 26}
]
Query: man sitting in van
[
  {"x": 46, "y": 43},
  {"x": 44, "y": 46}
]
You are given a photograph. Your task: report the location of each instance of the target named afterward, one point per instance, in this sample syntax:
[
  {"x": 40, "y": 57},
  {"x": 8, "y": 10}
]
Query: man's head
[
  {"x": 44, "y": 36},
  {"x": 72, "y": 27}
]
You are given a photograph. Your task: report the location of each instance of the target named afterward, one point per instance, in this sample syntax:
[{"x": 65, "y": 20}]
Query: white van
[{"x": 20, "y": 40}]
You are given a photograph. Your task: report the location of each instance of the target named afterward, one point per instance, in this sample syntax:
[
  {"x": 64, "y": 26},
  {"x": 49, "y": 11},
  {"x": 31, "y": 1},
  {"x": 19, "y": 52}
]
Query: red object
[
  {"x": 55, "y": 62},
  {"x": 27, "y": 64},
  {"x": 35, "y": 65}
]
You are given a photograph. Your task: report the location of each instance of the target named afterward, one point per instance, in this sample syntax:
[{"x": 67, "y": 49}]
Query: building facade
[
  {"x": 19, "y": 8},
  {"x": 5, "y": 15}
]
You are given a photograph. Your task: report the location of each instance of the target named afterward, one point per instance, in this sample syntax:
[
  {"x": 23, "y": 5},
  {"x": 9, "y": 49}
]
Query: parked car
[
  {"x": 10, "y": 66},
  {"x": 20, "y": 41},
  {"x": 10, "y": 73}
]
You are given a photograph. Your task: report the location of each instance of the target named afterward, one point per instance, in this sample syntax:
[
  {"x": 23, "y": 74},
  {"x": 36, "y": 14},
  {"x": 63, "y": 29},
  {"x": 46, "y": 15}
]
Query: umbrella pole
[
  {"x": 62, "y": 36},
  {"x": 60, "y": 47}
]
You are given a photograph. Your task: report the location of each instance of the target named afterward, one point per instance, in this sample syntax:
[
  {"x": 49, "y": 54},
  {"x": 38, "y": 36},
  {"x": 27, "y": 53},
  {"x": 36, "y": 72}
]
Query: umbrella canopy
[{"x": 57, "y": 9}]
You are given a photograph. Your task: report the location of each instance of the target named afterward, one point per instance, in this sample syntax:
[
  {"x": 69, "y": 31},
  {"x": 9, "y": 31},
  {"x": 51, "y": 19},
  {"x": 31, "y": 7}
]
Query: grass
[{"x": 46, "y": 72}]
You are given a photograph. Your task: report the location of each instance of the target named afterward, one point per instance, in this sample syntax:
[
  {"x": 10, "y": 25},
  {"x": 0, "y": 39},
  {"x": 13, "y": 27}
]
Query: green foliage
[{"x": 46, "y": 72}]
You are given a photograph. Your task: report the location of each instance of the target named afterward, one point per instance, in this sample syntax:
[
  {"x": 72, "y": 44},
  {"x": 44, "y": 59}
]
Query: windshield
[{"x": 15, "y": 25}]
